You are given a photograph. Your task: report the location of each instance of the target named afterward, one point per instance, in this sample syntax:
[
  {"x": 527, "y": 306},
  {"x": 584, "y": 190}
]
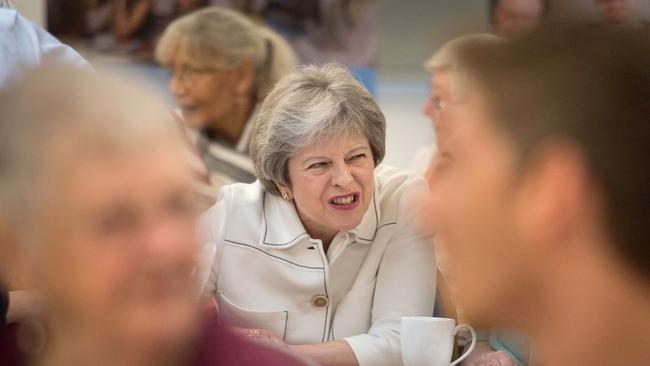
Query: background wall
[
  {"x": 33, "y": 10},
  {"x": 411, "y": 30}
]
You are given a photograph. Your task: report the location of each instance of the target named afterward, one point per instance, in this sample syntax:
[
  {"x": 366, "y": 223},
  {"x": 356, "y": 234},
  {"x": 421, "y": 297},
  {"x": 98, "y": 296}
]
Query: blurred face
[
  {"x": 439, "y": 99},
  {"x": 475, "y": 205},
  {"x": 517, "y": 16},
  {"x": 117, "y": 246},
  {"x": 332, "y": 184},
  {"x": 207, "y": 96},
  {"x": 614, "y": 11}
]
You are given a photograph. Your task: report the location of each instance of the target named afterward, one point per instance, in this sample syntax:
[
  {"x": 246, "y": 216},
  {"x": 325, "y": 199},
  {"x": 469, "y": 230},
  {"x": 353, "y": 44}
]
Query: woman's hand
[
  {"x": 496, "y": 358},
  {"x": 261, "y": 335}
]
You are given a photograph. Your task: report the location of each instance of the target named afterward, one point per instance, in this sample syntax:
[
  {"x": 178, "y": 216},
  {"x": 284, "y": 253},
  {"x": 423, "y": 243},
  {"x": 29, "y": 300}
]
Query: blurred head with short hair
[
  {"x": 544, "y": 210},
  {"x": 98, "y": 208},
  {"x": 447, "y": 85}
]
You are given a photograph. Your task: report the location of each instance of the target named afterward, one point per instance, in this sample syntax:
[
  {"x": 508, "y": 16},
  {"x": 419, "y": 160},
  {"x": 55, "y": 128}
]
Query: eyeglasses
[
  {"x": 187, "y": 74},
  {"x": 438, "y": 103}
]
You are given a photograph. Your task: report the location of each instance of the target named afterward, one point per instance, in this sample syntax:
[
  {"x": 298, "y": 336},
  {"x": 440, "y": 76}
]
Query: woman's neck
[
  {"x": 317, "y": 231},
  {"x": 231, "y": 127}
]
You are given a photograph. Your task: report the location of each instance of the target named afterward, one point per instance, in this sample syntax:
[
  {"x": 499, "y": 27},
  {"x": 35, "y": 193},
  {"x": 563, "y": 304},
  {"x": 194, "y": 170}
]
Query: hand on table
[
  {"x": 261, "y": 335},
  {"x": 496, "y": 358}
]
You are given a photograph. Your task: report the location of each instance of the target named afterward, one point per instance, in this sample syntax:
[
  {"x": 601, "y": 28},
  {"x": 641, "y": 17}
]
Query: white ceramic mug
[{"x": 428, "y": 341}]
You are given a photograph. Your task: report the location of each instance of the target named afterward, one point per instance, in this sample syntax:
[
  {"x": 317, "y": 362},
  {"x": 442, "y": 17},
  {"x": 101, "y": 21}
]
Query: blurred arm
[{"x": 336, "y": 353}]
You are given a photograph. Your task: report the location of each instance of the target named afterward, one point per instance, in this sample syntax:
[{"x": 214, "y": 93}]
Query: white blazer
[{"x": 269, "y": 273}]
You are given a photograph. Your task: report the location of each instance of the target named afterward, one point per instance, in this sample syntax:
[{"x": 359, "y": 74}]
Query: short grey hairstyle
[
  {"x": 60, "y": 106},
  {"x": 313, "y": 104},
  {"x": 447, "y": 57}
]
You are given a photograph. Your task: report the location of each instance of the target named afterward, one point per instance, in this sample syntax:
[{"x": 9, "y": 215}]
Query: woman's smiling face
[{"x": 332, "y": 184}]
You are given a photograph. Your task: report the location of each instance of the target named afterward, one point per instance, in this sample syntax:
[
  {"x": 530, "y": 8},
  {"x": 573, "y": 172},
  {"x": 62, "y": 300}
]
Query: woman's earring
[{"x": 285, "y": 196}]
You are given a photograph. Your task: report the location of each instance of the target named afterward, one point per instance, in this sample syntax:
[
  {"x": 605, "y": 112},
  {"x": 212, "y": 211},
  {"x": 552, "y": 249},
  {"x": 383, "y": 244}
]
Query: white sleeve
[
  {"x": 406, "y": 286},
  {"x": 24, "y": 44},
  {"x": 54, "y": 51},
  {"x": 211, "y": 234}
]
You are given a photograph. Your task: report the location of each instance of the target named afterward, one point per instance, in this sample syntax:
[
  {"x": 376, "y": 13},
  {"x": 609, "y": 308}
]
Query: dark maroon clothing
[
  {"x": 4, "y": 306},
  {"x": 221, "y": 347},
  {"x": 218, "y": 347},
  {"x": 10, "y": 354}
]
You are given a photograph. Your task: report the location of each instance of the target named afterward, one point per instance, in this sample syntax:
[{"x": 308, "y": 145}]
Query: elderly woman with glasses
[
  {"x": 223, "y": 65},
  {"x": 324, "y": 251}
]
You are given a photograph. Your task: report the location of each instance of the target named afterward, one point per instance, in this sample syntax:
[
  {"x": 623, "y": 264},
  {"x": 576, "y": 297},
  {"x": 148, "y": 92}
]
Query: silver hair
[
  {"x": 57, "y": 106},
  {"x": 446, "y": 58},
  {"x": 311, "y": 105},
  {"x": 6, "y": 4},
  {"x": 220, "y": 37}
]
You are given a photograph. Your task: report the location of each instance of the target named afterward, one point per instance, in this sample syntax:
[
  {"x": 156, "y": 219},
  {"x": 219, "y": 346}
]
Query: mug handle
[{"x": 471, "y": 347}]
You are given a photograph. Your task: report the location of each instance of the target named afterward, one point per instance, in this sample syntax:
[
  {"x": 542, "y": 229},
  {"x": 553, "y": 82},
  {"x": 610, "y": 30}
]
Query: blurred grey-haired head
[
  {"x": 447, "y": 58},
  {"x": 312, "y": 105},
  {"x": 57, "y": 107}
]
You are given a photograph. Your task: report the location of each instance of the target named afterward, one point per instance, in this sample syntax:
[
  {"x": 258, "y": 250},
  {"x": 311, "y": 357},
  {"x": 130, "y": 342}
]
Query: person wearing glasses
[
  {"x": 443, "y": 93},
  {"x": 445, "y": 108},
  {"x": 222, "y": 66}
]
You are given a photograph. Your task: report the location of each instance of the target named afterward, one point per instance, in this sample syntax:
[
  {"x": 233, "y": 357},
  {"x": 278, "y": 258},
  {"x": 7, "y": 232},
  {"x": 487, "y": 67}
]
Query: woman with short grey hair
[
  {"x": 303, "y": 110},
  {"x": 323, "y": 253}
]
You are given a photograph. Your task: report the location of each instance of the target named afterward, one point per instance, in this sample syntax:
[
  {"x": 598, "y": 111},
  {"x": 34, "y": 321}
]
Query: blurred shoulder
[
  {"x": 393, "y": 183},
  {"x": 398, "y": 192},
  {"x": 238, "y": 202},
  {"x": 242, "y": 193}
]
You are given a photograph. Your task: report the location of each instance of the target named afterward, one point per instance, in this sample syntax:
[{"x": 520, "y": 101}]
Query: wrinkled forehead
[
  {"x": 332, "y": 144},
  {"x": 188, "y": 53}
]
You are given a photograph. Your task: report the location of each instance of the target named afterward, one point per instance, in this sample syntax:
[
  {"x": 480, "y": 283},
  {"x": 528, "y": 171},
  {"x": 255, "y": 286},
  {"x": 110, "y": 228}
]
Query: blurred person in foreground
[
  {"x": 514, "y": 17},
  {"x": 324, "y": 252},
  {"x": 97, "y": 211},
  {"x": 544, "y": 210},
  {"x": 445, "y": 109},
  {"x": 223, "y": 65}
]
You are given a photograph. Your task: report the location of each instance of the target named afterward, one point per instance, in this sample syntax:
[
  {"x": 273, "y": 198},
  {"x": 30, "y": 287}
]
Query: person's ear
[
  {"x": 285, "y": 191},
  {"x": 245, "y": 78},
  {"x": 554, "y": 195}
]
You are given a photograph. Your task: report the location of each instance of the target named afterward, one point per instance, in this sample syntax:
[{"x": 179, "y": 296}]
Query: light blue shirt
[{"x": 24, "y": 44}]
